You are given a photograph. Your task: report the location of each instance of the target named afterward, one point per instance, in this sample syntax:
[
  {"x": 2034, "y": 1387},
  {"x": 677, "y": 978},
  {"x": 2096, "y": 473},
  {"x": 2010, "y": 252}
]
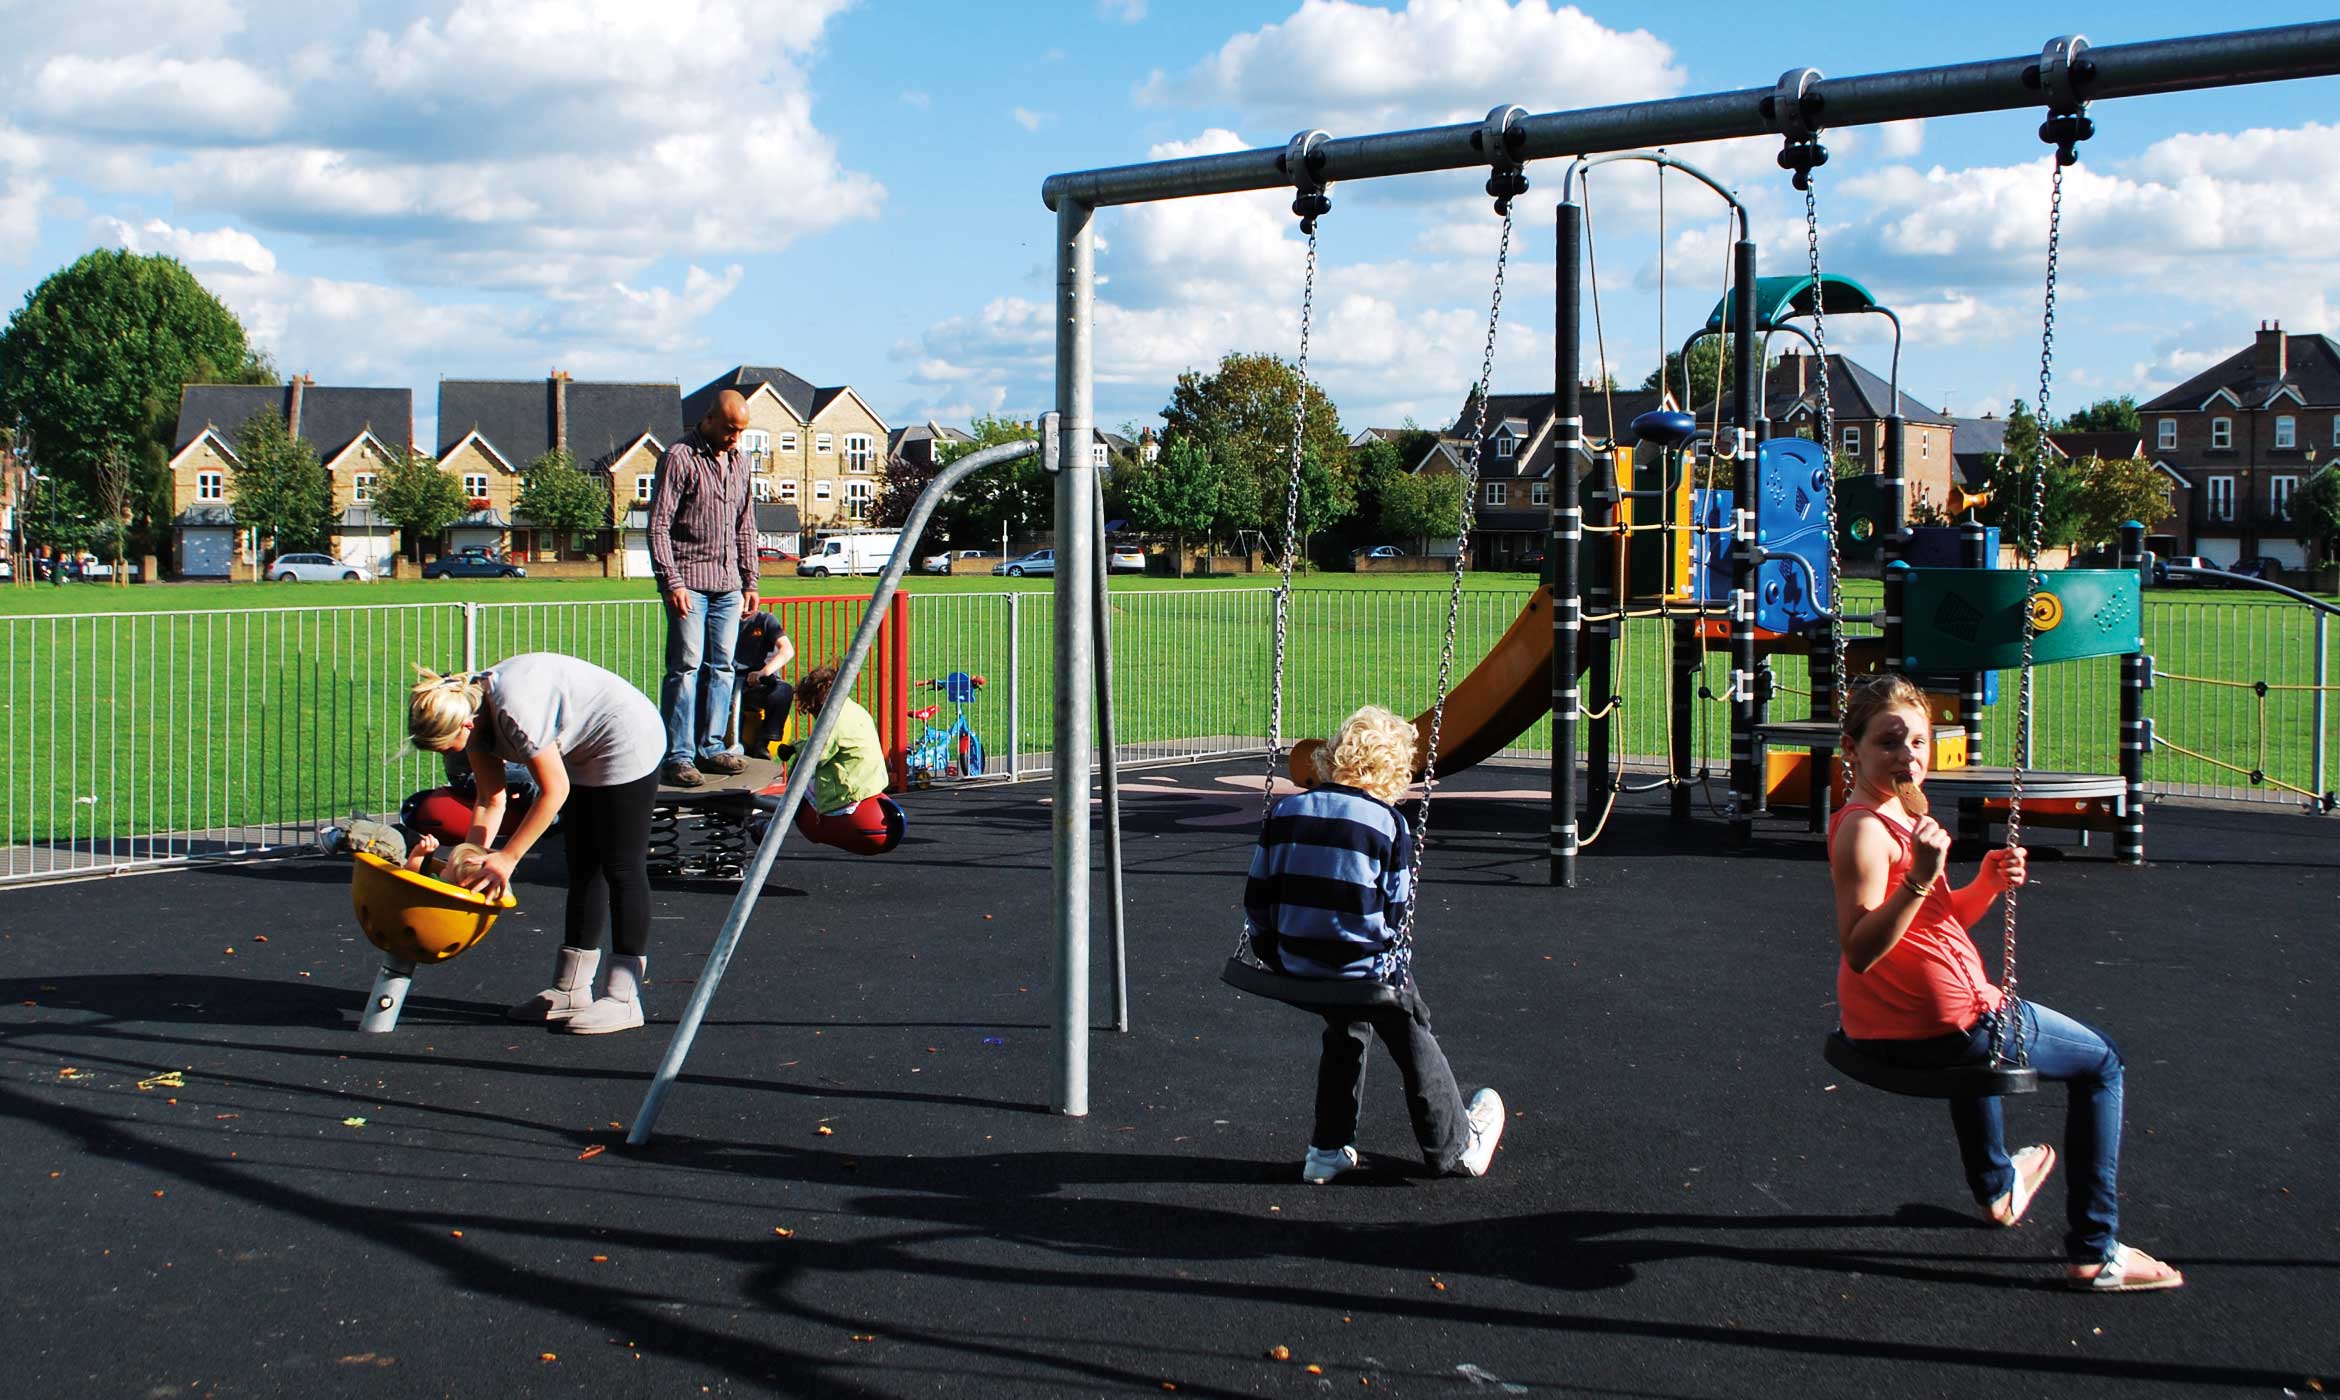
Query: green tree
[
  {"x": 1423, "y": 506},
  {"x": 1018, "y": 493},
  {"x": 92, "y": 364},
  {"x": 899, "y": 482},
  {"x": 1378, "y": 469},
  {"x": 2105, "y": 416},
  {"x": 556, "y": 496},
  {"x": 2110, "y": 493},
  {"x": 1176, "y": 494},
  {"x": 56, "y": 512},
  {"x": 418, "y": 498},
  {"x": 2315, "y": 510},
  {"x": 2061, "y": 521},
  {"x": 1241, "y": 416},
  {"x": 1693, "y": 379},
  {"x": 281, "y": 489}
]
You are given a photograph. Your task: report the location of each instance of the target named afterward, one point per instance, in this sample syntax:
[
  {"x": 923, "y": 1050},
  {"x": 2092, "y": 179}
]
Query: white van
[{"x": 854, "y": 552}]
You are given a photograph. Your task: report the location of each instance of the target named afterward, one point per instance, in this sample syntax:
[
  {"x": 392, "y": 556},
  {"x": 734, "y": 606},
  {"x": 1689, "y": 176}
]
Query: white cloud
[
  {"x": 1351, "y": 66},
  {"x": 1122, "y": 11},
  {"x": 1028, "y": 119},
  {"x": 917, "y": 100},
  {"x": 207, "y": 99},
  {"x": 224, "y": 249}
]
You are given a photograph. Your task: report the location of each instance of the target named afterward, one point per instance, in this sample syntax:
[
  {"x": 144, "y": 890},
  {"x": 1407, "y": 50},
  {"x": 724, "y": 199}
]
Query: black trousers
[
  {"x": 1432, "y": 1099},
  {"x": 773, "y": 696},
  {"x": 608, "y": 834}
]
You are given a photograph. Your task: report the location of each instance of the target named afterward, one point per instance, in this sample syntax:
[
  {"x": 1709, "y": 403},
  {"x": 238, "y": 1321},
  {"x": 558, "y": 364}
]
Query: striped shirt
[
  {"x": 1328, "y": 883},
  {"x": 702, "y": 520}
]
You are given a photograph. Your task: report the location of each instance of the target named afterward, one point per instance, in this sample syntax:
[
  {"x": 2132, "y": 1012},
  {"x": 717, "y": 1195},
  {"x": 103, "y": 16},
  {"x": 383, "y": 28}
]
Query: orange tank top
[{"x": 1932, "y": 982}]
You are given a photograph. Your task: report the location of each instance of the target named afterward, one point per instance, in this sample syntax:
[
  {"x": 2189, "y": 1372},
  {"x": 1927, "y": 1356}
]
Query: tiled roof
[
  {"x": 516, "y": 417},
  {"x": 2111, "y": 446},
  {"x": 331, "y": 416},
  {"x": 776, "y": 518},
  {"x": 2312, "y": 365},
  {"x": 798, "y": 394}
]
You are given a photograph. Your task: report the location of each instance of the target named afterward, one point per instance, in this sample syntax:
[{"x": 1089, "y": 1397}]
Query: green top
[
  {"x": 1777, "y": 298},
  {"x": 855, "y": 765}
]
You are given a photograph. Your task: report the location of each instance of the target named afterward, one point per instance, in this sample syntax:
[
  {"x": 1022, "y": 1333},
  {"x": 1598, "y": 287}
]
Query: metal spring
[
  {"x": 723, "y": 845},
  {"x": 665, "y": 855}
]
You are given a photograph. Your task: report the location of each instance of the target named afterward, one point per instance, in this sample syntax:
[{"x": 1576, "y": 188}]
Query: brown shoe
[
  {"x": 681, "y": 775},
  {"x": 724, "y": 763}
]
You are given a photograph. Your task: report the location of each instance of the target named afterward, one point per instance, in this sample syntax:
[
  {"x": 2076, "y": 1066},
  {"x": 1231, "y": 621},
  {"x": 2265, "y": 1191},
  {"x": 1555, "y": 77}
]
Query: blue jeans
[
  {"x": 2089, "y": 1066},
  {"x": 695, "y": 697}
]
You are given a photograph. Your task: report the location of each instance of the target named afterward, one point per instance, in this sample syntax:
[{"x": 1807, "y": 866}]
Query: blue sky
[{"x": 390, "y": 193}]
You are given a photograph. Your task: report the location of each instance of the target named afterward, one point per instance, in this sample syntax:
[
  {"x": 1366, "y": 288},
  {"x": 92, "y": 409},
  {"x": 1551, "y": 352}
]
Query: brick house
[
  {"x": 921, "y": 444},
  {"x": 356, "y": 432},
  {"x": 1859, "y": 401},
  {"x": 820, "y": 450},
  {"x": 1516, "y": 455},
  {"x": 490, "y": 430},
  {"x": 2244, "y": 435}
]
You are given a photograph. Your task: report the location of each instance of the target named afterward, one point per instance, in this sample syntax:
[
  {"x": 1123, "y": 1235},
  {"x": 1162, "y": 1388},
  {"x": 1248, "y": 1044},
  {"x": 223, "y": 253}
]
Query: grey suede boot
[
  {"x": 570, "y": 993},
  {"x": 619, "y": 1007}
]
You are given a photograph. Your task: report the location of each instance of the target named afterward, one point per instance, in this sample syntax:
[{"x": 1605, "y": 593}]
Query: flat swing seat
[
  {"x": 1950, "y": 1082},
  {"x": 1308, "y": 993}
]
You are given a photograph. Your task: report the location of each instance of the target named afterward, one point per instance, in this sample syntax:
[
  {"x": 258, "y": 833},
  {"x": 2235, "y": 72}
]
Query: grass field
[{"x": 184, "y": 707}]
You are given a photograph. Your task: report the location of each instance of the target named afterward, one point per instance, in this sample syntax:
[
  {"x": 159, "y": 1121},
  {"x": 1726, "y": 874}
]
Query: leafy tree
[
  {"x": 1017, "y": 493},
  {"x": 1422, "y": 506},
  {"x": 92, "y": 364},
  {"x": 899, "y": 482},
  {"x": 56, "y": 512},
  {"x": 1240, "y": 414},
  {"x": 1693, "y": 380},
  {"x": 1177, "y": 494},
  {"x": 556, "y": 496},
  {"x": 2315, "y": 510},
  {"x": 281, "y": 489},
  {"x": 2109, "y": 494},
  {"x": 2105, "y": 416},
  {"x": 421, "y": 500}
]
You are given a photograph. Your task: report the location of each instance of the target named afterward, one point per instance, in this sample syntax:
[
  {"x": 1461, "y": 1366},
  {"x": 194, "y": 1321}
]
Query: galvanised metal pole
[
  {"x": 1076, "y": 273},
  {"x": 1109, "y": 771},
  {"x": 2232, "y": 59},
  {"x": 1567, "y": 532},
  {"x": 2316, "y": 743}
]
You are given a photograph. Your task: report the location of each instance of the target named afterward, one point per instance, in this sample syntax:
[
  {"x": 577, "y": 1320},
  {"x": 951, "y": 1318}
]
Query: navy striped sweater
[{"x": 1328, "y": 883}]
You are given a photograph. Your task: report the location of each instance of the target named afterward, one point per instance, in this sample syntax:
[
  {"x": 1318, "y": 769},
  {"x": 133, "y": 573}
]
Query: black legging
[{"x": 608, "y": 834}]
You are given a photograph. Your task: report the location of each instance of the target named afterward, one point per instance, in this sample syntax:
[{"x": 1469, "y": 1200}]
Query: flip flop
[
  {"x": 2126, "y": 1272},
  {"x": 2032, "y": 1165}
]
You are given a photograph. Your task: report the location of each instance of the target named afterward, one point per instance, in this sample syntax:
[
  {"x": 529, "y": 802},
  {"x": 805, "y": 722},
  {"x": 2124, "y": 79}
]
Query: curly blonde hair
[
  {"x": 1876, "y": 695},
  {"x": 439, "y": 706},
  {"x": 1373, "y": 751}
]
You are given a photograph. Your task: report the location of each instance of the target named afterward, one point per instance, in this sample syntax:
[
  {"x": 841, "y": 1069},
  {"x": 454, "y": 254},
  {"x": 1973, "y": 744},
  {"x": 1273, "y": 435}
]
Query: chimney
[
  {"x": 2270, "y": 357},
  {"x": 560, "y": 410},
  {"x": 292, "y": 412}
]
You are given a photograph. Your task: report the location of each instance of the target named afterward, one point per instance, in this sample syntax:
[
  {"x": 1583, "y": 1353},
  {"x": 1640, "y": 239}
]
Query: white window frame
[
  {"x": 211, "y": 486},
  {"x": 821, "y": 491},
  {"x": 1097, "y": 454},
  {"x": 2286, "y": 432},
  {"x": 859, "y": 448},
  {"x": 642, "y": 487},
  {"x": 1850, "y": 436},
  {"x": 1498, "y": 492},
  {"x": 361, "y": 486},
  {"x": 787, "y": 492},
  {"x": 2221, "y": 434},
  {"x": 2165, "y": 434},
  {"x": 1539, "y": 493},
  {"x": 859, "y": 496},
  {"x": 2218, "y": 498},
  {"x": 760, "y": 488},
  {"x": 757, "y": 444},
  {"x": 824, "y": 443},
  {"x": 475, "y": 486},
  {"x": 787, "y": 441},
  {"x": 2280, "y": 490},
  {"x": 1505, "y": 445}
]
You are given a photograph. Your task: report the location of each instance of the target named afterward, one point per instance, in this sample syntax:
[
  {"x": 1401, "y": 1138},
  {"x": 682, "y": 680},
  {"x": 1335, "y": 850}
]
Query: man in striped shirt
[{"x": 703, "y": 554}]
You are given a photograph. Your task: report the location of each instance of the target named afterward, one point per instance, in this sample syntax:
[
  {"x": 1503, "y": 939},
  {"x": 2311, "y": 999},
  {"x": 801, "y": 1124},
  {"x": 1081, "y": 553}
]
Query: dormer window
[{"x": 1504, "y": 443}]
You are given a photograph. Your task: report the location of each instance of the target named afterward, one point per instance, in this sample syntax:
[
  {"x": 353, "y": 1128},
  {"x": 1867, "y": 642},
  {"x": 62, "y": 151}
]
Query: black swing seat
[
  {"x": 1308, "y": 993},
  {"x": 1950, "y": 1082}
]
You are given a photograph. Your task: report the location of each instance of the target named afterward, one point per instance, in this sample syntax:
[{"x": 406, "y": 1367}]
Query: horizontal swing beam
[{"x": 2279, "y": 54}]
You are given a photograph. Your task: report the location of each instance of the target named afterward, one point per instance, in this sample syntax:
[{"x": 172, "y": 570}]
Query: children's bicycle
[{"x": 952, "y": 752}]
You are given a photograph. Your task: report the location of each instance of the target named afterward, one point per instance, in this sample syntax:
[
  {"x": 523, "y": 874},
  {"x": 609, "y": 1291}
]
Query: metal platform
[
  {"x": 722, "y": 787},
  {"x": 701, "y": 832},
  {"x": 1984, "y": 782}
]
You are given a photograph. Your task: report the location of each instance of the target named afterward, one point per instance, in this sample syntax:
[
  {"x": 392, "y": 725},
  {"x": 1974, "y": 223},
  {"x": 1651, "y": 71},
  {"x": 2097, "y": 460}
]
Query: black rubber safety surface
[{"x": 217, "y": 1187}]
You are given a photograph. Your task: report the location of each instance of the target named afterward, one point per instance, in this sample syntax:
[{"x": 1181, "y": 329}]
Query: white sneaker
[
  {"x": 1485, "y": 1112},
  {"x": 1323, "y": 1166}
]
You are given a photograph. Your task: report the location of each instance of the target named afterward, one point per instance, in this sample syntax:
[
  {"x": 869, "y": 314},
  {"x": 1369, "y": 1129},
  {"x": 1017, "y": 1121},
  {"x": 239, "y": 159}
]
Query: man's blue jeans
[
  {"x": 2089, "y": 1066},
  {"x": 695, "y": 697}
]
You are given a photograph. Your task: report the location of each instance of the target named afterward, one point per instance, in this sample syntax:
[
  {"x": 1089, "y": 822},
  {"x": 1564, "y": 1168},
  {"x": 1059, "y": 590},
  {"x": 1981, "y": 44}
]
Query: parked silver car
[
  {"x": 316, "y": 568},
  {"x": 1039, "y": 561}
]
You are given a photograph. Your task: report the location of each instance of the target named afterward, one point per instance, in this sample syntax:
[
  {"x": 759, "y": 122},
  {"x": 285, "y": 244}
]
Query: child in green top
[{"x": 848, "y": 807}]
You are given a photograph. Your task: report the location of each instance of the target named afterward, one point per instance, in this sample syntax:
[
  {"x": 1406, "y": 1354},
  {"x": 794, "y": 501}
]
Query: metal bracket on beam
[
  {"x": 1303, "y": 165},
  {"x": 1500, "y": 139},
  {"x": 1051, "y": 444},
  {"x": 2063, "y": 70}
]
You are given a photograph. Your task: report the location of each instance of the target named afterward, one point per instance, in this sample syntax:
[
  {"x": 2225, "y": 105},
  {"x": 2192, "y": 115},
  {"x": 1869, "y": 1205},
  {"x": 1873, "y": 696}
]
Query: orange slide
[{"x": 1496, "y": 703}]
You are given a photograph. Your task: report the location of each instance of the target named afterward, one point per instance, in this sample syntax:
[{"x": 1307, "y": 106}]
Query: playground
[{"x": 857, "y": 1188}]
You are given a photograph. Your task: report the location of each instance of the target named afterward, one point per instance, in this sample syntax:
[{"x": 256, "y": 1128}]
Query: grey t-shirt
[{"x": 605, "y": 731}]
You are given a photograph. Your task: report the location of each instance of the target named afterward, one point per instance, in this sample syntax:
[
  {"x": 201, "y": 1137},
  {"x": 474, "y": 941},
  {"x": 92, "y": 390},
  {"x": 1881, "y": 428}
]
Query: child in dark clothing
[
  {"x": 1328, "y": 893},
  {"x": 763, "y": 649}
]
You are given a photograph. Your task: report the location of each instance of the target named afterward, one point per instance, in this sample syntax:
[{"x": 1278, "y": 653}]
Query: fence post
[
  {"x": 1015, "y": 687},
  {"x": 2316, "y": 743},
  {"x": 470, "y": 637}
]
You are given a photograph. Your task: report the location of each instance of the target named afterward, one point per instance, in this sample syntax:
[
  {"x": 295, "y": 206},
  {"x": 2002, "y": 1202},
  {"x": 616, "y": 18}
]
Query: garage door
[
  {"x": 637, "y": 555},
  {"x": 206, "y": 553}
]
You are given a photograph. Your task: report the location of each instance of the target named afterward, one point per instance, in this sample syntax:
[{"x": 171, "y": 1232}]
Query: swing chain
[
  {"x": 1283, "y": 597},
  {"x": 1401, "y": 950},
  {"x": 1839, "y": 681}
]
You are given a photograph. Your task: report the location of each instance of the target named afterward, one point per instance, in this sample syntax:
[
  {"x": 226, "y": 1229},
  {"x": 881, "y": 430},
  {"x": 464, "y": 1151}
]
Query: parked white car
[
  {"x": 941, "y": 563},
  {"x": 315, "y": 568},
  {"x": 1125, "y": 559}
]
